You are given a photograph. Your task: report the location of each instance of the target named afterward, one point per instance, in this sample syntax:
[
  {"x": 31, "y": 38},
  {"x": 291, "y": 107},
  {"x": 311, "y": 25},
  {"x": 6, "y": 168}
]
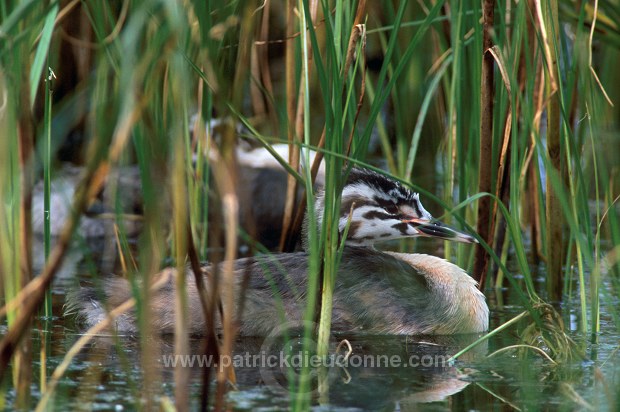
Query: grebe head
[{"x": 376, "y": 208}]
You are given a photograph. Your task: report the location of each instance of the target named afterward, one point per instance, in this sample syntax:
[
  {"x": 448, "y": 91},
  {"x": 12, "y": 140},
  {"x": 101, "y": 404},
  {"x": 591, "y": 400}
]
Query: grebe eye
[{"x": 391, "y": 209}]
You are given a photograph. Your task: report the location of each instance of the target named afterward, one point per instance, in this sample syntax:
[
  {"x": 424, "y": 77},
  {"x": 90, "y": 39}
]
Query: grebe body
[{"x": 375, "y": 292}]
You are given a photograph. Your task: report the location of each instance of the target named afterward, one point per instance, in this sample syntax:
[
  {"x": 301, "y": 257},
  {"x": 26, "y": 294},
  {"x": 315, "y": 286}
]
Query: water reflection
[{"x": 382, "y": 372}]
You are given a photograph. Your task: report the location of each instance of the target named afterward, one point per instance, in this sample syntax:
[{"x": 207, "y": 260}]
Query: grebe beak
[{"x": 435, "y": 228}]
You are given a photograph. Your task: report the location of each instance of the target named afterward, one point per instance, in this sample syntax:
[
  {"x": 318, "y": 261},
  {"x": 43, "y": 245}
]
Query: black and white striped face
[{"x": 380, "y": 209}]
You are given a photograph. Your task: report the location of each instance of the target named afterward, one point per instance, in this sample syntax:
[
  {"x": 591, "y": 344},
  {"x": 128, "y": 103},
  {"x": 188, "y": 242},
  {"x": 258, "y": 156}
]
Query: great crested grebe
[
  {"x": 375, "y": 292},
  {"x": 261, "y": 190}
]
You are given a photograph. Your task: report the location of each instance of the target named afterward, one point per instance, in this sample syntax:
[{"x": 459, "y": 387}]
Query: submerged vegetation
[{"x": 504, "y": 114}]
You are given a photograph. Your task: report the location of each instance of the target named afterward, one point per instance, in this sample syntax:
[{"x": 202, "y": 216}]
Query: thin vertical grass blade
[{"x": 40, "y": 56}]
